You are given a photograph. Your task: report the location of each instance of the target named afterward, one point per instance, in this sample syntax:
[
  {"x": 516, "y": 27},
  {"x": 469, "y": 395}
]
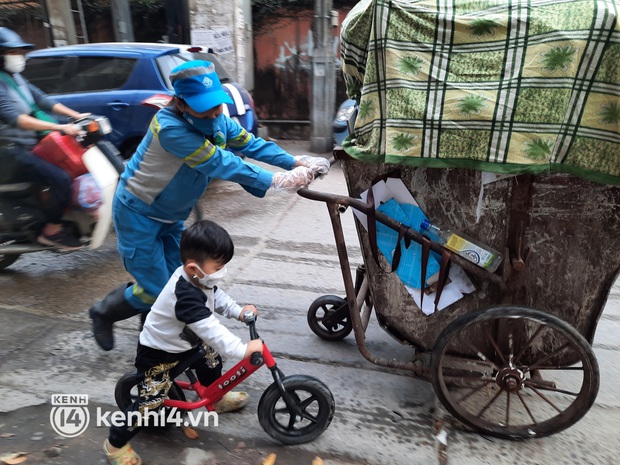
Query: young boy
[{"x": 181, "y": 316}]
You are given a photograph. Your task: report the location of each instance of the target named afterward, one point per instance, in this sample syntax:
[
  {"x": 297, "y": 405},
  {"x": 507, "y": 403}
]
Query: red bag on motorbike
[{"x": 63, "y": 151}]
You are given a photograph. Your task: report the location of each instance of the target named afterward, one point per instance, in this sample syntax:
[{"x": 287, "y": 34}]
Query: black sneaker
[{"x": 61, "y": 240}]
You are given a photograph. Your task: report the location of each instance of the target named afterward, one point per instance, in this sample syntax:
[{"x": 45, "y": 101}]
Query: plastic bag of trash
[{"x": 86, "y": 193}]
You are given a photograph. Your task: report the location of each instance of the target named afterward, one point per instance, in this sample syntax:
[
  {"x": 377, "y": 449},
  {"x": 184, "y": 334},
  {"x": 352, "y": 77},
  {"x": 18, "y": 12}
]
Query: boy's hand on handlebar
[
  {"x": 318, "y": 165},
  {"x": 245, "y": 309},
  {"x": 293, "y": 180},
  {"x": 255, "y": 345}
]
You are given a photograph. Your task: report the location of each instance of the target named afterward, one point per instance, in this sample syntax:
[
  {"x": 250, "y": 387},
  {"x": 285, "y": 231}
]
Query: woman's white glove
[
  {"x": 319, "y": 165},
  {"x": 292, "y": 180}
]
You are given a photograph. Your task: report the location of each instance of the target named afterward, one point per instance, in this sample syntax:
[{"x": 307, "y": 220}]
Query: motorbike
[{"x": 22, "y": 204}]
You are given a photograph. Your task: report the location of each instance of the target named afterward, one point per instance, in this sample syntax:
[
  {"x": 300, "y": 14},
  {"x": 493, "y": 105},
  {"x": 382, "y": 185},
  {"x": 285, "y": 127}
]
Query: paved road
[{"x": 285, "y": 258}]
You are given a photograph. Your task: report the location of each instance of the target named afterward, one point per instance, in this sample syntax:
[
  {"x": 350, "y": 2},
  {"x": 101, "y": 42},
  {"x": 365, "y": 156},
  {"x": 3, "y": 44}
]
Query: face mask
[
  {"x": 207, "y": 126},
  {"x": 14, "y": 63},
  {"x": 209, "y": 280}
]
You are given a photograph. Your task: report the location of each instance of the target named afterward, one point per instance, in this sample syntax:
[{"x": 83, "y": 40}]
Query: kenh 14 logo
[{"x": 69, "y": 415}]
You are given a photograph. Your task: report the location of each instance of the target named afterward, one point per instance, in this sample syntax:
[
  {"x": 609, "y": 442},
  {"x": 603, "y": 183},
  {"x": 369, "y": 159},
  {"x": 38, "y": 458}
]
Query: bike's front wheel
[{"x": 311, "y": 413}]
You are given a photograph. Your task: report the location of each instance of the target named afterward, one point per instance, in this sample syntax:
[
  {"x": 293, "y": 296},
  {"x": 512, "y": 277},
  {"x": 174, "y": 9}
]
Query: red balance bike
[{"x": 293, "y": 409}]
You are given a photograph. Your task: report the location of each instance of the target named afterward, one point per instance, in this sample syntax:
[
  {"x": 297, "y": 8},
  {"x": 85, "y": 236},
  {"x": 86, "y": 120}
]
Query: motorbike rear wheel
[{"x": 7, "y": 259}]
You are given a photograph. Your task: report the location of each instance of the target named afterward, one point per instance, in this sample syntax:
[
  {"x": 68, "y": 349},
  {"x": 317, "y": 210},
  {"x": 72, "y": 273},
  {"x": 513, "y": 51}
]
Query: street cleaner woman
[{"x": 188, "y": 144}]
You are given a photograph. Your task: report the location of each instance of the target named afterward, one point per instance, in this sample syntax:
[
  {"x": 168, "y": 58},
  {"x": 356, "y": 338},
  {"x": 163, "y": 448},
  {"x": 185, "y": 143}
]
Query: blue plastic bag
[{"x": 409, "y": 269}]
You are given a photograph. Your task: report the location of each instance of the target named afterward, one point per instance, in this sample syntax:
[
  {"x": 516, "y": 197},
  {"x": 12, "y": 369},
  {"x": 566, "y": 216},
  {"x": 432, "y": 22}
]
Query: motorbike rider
[
  {"x": 189, "y": 143},
  {"x": 22, "y": 106}
]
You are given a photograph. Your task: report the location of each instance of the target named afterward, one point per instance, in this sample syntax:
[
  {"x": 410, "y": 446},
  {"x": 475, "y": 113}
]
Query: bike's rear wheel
[
  {"x": 314, "y": 400},
  {"x": 126, "y": 392}
]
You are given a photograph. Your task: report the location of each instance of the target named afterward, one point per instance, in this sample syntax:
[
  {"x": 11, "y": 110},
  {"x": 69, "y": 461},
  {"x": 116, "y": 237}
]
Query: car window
[
  {"x": 47, "y": 73},
  {"x": 78, "y": 74},
  {"x": 167, "y": 63},
  {"x": 100, "y": 73}
]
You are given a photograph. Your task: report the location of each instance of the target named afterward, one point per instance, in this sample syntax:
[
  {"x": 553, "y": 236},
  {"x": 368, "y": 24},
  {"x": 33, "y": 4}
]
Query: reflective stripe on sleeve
[
  {"x": 155, "y": 127},
  {"x": 204, "y": 152},
  {"x": 242, "y": 138}
]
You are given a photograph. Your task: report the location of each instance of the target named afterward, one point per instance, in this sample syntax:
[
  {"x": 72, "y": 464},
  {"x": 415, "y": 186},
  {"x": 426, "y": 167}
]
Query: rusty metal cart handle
[{"x": 342, "y": 200}]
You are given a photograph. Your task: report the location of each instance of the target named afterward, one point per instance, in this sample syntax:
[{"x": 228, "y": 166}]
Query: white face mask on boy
[
  {"x": 14, "y": 63},
  {"x": 209, "y": 280}
]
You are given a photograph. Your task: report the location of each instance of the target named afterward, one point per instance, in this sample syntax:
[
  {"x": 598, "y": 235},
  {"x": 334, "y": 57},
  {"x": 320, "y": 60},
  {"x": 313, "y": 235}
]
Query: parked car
[
  {"x": 125, "y": 82},
  {"x": 340, "y": 126}
]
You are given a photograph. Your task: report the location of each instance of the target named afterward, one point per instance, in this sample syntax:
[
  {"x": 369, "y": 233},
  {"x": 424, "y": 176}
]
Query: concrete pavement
[{"x": 284, "y": 259}]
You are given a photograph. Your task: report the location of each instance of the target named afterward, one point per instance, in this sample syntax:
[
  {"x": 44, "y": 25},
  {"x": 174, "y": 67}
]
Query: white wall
[
  {"x": 207, "y": 14},
  {"x": 63, "y": 29}
]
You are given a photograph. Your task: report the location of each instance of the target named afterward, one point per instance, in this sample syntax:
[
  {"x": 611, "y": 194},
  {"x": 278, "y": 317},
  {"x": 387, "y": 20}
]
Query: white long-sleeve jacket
[{"x": 182, "y": 304}]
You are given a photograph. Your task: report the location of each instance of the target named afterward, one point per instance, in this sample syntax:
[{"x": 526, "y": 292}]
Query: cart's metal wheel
[
  {"x": 328, "y": 318},
  {"x": 514, "y": 372}
]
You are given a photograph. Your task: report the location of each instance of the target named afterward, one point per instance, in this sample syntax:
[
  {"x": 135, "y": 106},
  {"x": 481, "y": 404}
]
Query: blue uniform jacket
[{"x": 175, "y": 161}]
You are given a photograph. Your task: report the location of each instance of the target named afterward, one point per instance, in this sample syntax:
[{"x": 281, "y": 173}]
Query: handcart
[
  {"x": 449, "y": 91},
  {"x": 513, "y": 359}
]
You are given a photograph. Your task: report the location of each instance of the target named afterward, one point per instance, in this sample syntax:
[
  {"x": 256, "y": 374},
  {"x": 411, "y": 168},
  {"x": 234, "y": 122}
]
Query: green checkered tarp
[{"x": 508, "y": 86}]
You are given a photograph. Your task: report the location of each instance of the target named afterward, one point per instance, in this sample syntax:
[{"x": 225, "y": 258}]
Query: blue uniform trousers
[{"x": 150, "y": 252}]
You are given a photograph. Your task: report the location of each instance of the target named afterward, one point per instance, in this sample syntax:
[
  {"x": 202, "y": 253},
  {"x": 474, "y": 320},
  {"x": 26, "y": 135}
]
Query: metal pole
[
  {"x": 323, "y": 79},
  {"x": 121, "y": 20},
  {"x": 47, "y": 27},
  {"x": 80, "y": 12}
]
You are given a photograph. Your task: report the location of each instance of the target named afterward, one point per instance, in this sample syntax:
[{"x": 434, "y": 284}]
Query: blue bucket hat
[
  {"x": 197, "y": 83},
  {"x": 10, "y": 39}
]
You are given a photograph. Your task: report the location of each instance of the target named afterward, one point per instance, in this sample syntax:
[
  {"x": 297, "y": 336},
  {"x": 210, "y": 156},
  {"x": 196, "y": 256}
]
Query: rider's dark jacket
[{"x": 12, "y": 105}]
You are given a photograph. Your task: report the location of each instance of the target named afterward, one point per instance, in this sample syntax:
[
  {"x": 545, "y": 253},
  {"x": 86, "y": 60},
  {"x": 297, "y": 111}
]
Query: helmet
[{"x": 10, "y": 39}]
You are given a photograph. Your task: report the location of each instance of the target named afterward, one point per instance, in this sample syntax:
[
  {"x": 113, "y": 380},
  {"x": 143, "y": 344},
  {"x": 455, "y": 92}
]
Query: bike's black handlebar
[{"x": 250, "y": 320}]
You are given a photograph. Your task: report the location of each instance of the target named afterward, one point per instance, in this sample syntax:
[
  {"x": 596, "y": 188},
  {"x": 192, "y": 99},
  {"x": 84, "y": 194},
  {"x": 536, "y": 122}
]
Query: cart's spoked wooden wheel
[{"x": 514, "y": 372}]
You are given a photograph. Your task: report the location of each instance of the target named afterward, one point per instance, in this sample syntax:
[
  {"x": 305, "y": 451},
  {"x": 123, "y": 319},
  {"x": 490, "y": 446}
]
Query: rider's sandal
[
  {"x": 124, "y": 456},
  {"x": 231, "y": 402}
]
